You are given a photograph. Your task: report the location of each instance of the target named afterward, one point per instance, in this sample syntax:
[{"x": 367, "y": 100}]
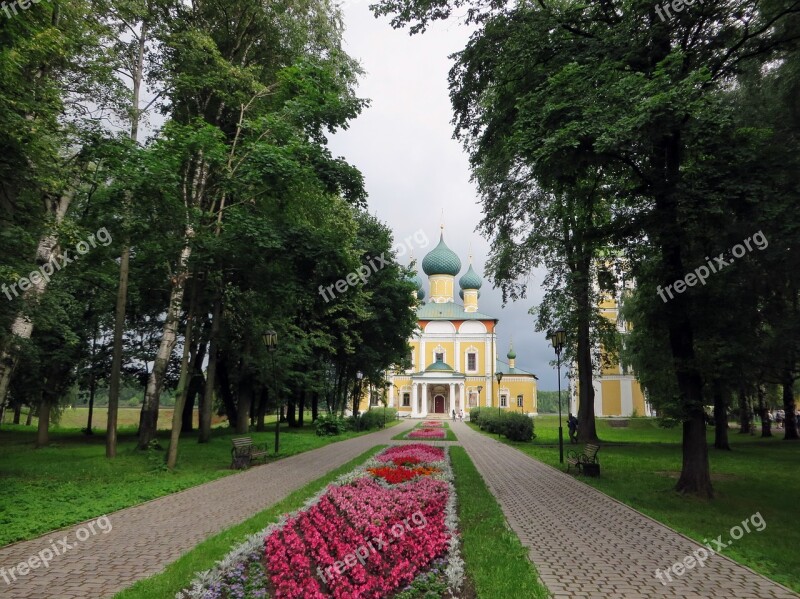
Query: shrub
[
  {"x": 374, "y": 418},
  {"x": 371, "y": 419},
  {"x": 475, "y": 415},
  {"x": 512, "y": 425},
  {"x": 518, "y": 427},
  {"x": 329, "y": 426}
]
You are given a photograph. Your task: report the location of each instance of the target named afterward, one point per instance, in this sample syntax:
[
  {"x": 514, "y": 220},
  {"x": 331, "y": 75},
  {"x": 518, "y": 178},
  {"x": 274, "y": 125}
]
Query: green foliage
[
  {"x": 327, "y": 426},
  {"x": 547, "y": 401},
  {"x": 371, "y": 419},
  {"x": 512, "y": 425},
  {"x": 430, "y": 585}
]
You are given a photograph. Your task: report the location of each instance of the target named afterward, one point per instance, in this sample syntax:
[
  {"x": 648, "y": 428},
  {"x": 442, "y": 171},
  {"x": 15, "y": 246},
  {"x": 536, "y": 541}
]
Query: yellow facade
[
  {"x": 454, "y": 353},
  {"x": 616, "y": 390}
]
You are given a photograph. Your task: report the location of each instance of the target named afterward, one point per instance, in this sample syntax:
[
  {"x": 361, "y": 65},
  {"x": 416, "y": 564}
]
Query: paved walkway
[
  {"x": 587, "y": 545},
  {"x": 584, "y": 544},
  {"x": 146, "y": 538}
]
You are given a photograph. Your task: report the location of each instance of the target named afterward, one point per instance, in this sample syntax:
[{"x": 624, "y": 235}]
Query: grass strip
[
  {"x": 179, "y": 573},
  {"x": 495, "y": 559}
]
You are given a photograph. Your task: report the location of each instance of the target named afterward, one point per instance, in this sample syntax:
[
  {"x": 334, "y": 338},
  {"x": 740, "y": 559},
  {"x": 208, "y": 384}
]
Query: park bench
[
  {"x": 244, "y": 451},
  {"x": 586, "y": 462}
]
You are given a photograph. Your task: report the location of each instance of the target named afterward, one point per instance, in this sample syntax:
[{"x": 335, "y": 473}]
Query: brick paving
[
  {"x": 587, "y": 545},
  {"x": 146, "y": 538}
]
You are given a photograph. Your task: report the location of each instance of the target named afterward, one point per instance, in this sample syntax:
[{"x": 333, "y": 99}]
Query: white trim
[
  {"x": 439, "y": 350},
  {"x": 471, "y": 350},
  {"x": 626, "y": 397}
]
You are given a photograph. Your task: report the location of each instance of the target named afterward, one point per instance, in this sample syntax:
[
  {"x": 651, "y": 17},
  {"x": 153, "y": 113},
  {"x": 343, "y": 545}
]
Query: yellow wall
[
  {"x": 442, "y": 287},
  {"x": 638, "y": 398},
  {"x": 526, "y": 388},
  {"x": 430, "y": 349},
  {"x": 612, "y": 400}
]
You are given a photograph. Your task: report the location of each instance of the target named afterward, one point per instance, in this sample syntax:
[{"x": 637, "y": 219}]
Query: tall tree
[{"x": 614, "y": 85}]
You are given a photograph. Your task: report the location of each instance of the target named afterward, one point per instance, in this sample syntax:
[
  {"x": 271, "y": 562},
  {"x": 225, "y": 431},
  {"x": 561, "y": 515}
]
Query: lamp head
[
  {"x": 499, "y": 376},
  {"x": 558, "y": 338},
  {"x": 480, "y": 388},
  {"x": 270, "y": 339}
]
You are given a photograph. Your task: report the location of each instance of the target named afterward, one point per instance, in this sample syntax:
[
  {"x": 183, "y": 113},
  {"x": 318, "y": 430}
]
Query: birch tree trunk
[
  {"x": 22, "y": 327},
  {"x": 194, "y": 183},
  {"x": 148, "y": 420}
]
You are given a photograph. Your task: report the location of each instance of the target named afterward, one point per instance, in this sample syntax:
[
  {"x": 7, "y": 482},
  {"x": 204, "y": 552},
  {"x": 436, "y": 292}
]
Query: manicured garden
[
  {"x": 428, "y": 430},
  {"x": 640, "y": 463},
  {"x": 71, "y": 480},
  {"x": 387, "y": 525},
  {"x": 339, "y": 520}
]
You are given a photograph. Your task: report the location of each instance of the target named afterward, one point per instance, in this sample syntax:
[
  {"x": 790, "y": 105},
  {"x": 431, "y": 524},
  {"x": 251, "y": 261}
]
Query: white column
[
  {"x": 462, "y": 396},
  {"x": 414, "y": 400},
  {"x": 626, "y": 395},
  {"x": 424, "y": 406},
  {"x": 598, "y": 398},
  {"x": 451, "y": 400}
]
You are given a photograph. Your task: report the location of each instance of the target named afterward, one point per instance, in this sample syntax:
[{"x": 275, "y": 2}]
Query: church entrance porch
[{"x": 437, "y": 396}]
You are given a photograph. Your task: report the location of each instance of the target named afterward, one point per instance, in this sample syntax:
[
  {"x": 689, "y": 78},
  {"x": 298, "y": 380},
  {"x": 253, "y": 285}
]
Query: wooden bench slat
[{"x": 244, "y": 450}]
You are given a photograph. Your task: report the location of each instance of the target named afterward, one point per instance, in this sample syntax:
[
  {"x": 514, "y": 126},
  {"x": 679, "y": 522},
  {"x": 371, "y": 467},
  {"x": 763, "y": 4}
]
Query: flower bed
[
  {"x": 427, "y": 433},
  {"x": 370, "y": 534},
  {"x": 433, "y": 424},
  {"x": 418, "y": 451}
]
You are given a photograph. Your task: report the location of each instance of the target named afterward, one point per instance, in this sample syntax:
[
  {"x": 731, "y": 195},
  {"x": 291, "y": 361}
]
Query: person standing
[
  {"x": 572, "y": 424},
  {"x": 454, "y": 415}
]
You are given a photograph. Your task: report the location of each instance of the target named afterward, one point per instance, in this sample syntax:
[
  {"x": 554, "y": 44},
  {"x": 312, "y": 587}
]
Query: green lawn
[
  {"x": 71, "y": 480},
  {"x": 76, "y": 418},
  {"x": 639, "y": 466},
  {"x": 496, "y": 561},
  {"x": 449, "y": 434}
]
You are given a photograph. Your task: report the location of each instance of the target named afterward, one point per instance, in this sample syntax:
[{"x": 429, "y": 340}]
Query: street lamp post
[
  {"x": 480, "y": 388},
  {"x": 270, "y": 339},
  {"x": 357, "y": 398},
  {"x": 558, "y": 338},
  {"x": 499, "y": 376}
]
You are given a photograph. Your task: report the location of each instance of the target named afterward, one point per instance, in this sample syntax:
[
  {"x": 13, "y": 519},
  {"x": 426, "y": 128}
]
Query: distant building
[
  {"x": 617, "y": 392},
  {"x": 454, "y": 352}
]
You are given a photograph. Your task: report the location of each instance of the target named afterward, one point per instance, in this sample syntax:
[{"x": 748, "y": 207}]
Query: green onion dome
[
  {"x": 441, "y": 260},
  {"x": 470, "y": 280}
]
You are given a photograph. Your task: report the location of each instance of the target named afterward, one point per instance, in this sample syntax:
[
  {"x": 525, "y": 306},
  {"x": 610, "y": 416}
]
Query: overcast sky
[{"x": 414, "y": 169}]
